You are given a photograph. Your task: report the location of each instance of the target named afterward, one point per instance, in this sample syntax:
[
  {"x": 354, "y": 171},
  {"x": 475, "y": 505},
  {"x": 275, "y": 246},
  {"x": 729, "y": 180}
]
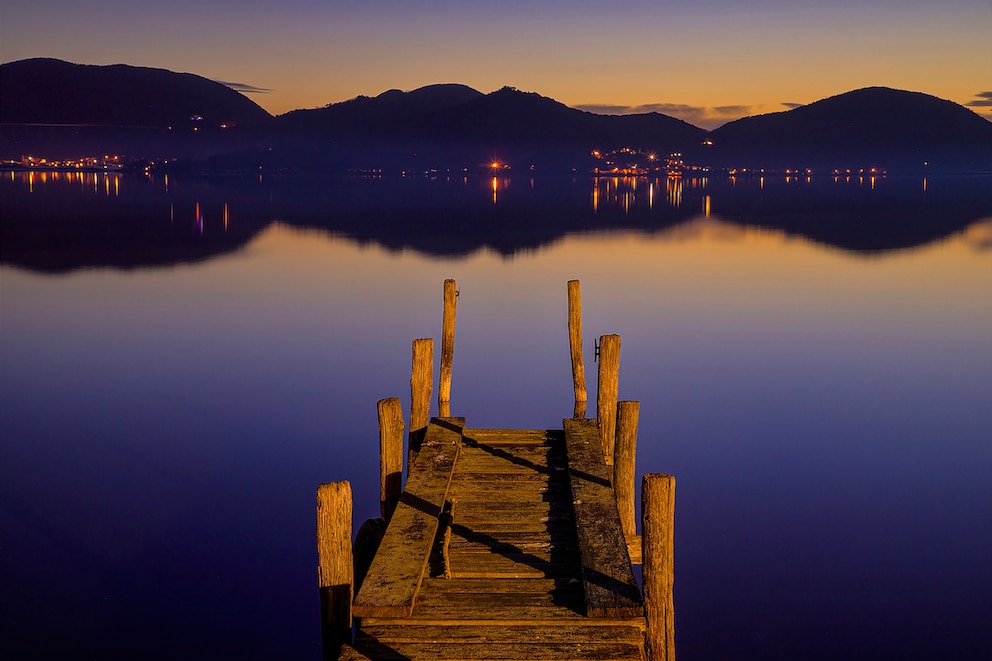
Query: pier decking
[{"x": 503, "y": 544}]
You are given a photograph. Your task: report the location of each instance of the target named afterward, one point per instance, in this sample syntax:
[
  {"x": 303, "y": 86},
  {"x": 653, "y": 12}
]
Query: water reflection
[
  {"x": 57, "y": 221},
  {"x": 819, "y": 410}
]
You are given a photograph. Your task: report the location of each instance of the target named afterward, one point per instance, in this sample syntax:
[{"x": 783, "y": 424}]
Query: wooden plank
[
  {"x": 578, "y": 619},
  {"x": 517, "y": 496},
  {"x": 391, "y": 585},
  {"x": 525, "y": 511},
  {"x": 552, "y": 527},
  {"x": 498, "y": 600},
  {"x": 349, "y": 653},
  {"x": 574, "y": 632},
  {"x": 483, "y": 556},
  {"x": 508, "y": 453},
  {"x": 516, "y": 465},
  {"x": 504, "y": 451},
  {"x": 455, "y": 651},
  {"x": 524, "y": 487},
  {"x": 494, "y": 456},
  {"x": 607, "y": 574},
  {"x": 510, "y": 436},
  {"x": 512, "y": 540},
  {"x": 477, "y": 610},
  {"x": 521, "y": 565},
  {"x": 488, "y": 585},
  {"x": 518, "y": 475}
]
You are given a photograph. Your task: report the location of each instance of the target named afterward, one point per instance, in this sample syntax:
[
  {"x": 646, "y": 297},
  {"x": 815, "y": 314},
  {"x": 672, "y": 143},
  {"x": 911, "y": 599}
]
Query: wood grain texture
[
  {"x": 607, "y": 574},
  {"x": 624, "y": 453},
  {"x": 518, "y": 579},
  {"x": 391, "y": 585},
  {"x": 575, "y": 343},
  {"x": 606, "y": 395},
  {"x": 451, "y": 650},
  {"x": 421, "y": 380},
  {"x": 447, "y": 348},
  {"x": 390, "y": 454},
  {"x": 658, "y": 528},
  {"x": 335, "y": 567}
]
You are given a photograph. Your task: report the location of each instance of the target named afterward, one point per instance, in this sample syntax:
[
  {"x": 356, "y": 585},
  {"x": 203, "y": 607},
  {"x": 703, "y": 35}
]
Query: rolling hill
[
  {"x": 871, "y": 127},
  {"x": 49, "y": 91},
  {"x": 455, "y": 126}
]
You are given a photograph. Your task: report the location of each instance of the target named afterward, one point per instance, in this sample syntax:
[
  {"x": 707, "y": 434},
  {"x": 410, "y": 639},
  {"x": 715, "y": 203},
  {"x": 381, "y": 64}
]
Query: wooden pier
[{"x": 504, "y": 544}]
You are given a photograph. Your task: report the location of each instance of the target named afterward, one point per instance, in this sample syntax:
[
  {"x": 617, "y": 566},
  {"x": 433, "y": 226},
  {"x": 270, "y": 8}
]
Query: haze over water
[{"x": 183, "y": 362}]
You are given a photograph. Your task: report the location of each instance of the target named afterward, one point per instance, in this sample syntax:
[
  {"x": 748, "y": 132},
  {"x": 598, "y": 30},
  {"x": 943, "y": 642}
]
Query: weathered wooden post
[
  {"x": 390, "y": 454},
  {"x": 447, "y": 349},
  {"x": 575, "y": 345},
  {"x": 420, "y": 392},
  {"x": 335, "y": 570},
  {"x": 606, "y": 396},
  {"x": 624, "y": 455},
  {"x": 658, "y": 539}
]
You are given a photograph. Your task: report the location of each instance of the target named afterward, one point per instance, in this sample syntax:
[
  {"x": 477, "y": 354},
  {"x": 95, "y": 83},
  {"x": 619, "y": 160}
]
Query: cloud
[
  {"x": 245, "y": 89},
  {"x": 704, "y": 116},
  {"x": 792, "y": 106},
  {"x": 734, "y": 111},
  {"x": 984, "y": 100}
]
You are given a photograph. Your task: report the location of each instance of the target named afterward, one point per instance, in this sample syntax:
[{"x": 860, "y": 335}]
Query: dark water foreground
[{"x": 182, "y": 362}]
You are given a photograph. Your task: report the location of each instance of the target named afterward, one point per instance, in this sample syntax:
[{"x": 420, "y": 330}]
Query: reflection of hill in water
[
  {"x": 59, "y": 223},
  {"x": 860, "y": 215}
]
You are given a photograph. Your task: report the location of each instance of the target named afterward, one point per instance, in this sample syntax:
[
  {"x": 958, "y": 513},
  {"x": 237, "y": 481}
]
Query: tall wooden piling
[
  {"x": 447, "y": 349},
  {"x": 624, "y": 453},
  {"x": 390, "y": 454},
  {"x": 335, "y": 570},
  {"x": 421, "y": 381},
  {"x": 606, "y": 396},
  {"x": 575, "y": 346},
  {"x": 658, "y": 528}
]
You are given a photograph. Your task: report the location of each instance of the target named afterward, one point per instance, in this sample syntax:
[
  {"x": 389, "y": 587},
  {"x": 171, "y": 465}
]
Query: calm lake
[{"x": 183, "y": 360}]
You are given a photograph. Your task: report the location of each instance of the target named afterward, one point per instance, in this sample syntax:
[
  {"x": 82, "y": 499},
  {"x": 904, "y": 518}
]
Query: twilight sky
[{"x": 707, "y": 61}]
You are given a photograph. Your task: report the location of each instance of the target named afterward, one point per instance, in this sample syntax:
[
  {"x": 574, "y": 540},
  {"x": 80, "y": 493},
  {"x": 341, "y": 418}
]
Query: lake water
[{"x": 184, "y": 360}]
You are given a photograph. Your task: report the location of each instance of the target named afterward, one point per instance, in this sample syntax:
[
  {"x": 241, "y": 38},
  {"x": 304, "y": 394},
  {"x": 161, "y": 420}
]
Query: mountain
[
  {"x": 456, "y": 126},
  {"x": 510, "y": 116},
  {"x": 49, "y": 91},
  {"x": 871, "y": 127},
  {"x": 380, "y": 112},
  {"x": 457, "y": 113},
  {"x": 63, "y": 110}
]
